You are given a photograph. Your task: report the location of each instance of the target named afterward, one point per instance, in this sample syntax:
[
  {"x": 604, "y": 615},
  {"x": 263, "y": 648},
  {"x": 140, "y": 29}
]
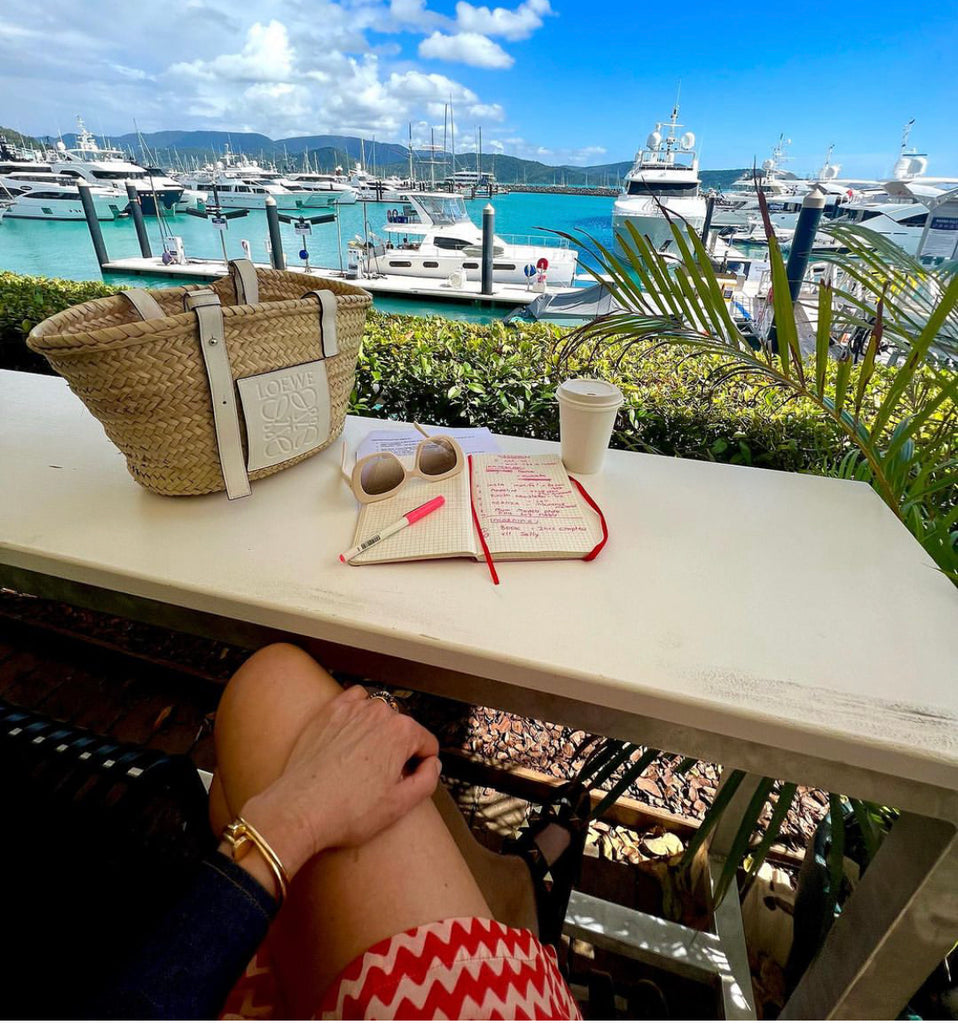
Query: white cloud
[
  {"x": 294, "y": 67},
  {"x": 414, "y": 14},
  {"x": 517, "y": 24},
  {"x": 487, "y": 111},
  {"x": 266, "y": 57},
  {"x": 466, "y": 48}
]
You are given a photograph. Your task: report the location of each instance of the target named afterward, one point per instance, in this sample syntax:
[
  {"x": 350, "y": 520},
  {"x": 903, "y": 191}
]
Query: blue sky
[{"x": 563, "y": 81}]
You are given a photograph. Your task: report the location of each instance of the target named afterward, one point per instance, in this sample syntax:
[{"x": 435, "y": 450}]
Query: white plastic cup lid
[{"x": 597, "y": 394}]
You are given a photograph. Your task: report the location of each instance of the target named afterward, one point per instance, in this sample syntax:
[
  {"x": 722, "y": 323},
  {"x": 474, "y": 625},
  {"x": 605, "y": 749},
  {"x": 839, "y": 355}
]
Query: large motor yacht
[
  {"x": 430, "y": 235},
  {"x": 664, "y": 178},
  {"x": 104, "y": 166},
  {"x": 43, "y": 195},
  {"x": 327, "y": 185},
  {"x": 784, "y": 191}
]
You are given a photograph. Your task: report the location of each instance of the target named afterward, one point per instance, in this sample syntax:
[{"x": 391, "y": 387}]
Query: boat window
[
  {"x": 470, "y": 266},
  {"x": 117, "y": 175},
  {"x": 868, "y": 214},
  {"x": 431, "y": 264},
  {"x": 916, "y": 220},
  {"x": 51, "y": 195},
  {"x": 400, "y": 263},
  {"x": 449, "y": 210},
  {"x": 503, "y": 266},
  {"x": 662, "y": 188},
  {"x": 446, "y": 242}
]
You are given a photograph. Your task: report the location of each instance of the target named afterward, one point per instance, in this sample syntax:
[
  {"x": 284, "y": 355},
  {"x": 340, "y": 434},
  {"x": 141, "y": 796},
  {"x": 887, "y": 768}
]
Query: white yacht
[
  {"x": 236, "y": 193},
  {"x": 104, "y": 166},
  {"x": 664, "y": 177},
  {"x": 43, "y": 195},
  {"x": 429, "y": 235},
  {"x": 738, "y": 207},
  {"x": 375, "y": 190},
  {"x": 326, "y": 185}
]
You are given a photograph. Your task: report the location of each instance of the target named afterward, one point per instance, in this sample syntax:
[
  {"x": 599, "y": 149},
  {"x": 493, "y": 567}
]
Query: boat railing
[{"x": 538, "y": 241}]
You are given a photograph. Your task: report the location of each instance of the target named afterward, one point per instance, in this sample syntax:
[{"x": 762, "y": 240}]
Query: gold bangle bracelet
[{"x": 238, "y": 833}]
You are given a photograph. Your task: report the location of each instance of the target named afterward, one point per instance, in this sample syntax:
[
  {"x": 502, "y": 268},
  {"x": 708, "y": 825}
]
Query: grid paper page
[
  {"x": 445, "y": 533},
  {"x": 528, "y": 508}
]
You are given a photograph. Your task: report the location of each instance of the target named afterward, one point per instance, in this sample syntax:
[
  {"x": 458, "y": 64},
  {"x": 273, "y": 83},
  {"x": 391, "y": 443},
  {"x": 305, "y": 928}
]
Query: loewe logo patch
[{"x": 287, "y": 413}]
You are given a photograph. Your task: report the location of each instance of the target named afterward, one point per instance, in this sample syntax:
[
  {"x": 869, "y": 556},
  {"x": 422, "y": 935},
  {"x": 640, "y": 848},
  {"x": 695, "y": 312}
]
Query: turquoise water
[{"x": 64, "y": 249}]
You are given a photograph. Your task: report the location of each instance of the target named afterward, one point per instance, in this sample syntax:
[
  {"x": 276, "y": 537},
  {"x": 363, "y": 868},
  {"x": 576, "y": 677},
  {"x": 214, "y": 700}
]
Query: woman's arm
[{"x": 356, "y": 767}]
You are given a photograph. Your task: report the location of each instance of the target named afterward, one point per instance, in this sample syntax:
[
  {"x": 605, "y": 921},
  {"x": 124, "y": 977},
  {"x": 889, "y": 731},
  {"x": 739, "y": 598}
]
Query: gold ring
[{"x": 386, "y": 697}]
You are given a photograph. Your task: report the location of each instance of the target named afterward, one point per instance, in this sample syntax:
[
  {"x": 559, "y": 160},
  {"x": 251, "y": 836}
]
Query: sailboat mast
[{"x": 411, "y": 175}]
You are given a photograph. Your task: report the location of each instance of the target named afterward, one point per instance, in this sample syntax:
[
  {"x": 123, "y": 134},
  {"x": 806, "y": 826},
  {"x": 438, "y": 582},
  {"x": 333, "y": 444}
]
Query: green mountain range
[{"x": 183, "y": 149}]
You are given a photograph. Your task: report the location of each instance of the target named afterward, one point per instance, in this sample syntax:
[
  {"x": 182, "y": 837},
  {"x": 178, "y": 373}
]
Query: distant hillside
[
  {"x": 15, "y": 138},
  {"x": 326, "y": 152}
]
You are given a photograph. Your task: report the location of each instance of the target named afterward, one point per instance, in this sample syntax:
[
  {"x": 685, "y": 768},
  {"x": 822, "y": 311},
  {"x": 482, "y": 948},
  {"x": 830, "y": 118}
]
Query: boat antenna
[
  {"x": 906, "y": 131},
  {"x": 452, "y": 136},
  {"x": 411, "y": 175}
]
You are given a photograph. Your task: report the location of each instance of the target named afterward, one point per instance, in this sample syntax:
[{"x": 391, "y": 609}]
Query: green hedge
[
  {"x": 455, "y": 373},
  {"x": 25, "y": 301},
  {"x": 504, "y": 377}
]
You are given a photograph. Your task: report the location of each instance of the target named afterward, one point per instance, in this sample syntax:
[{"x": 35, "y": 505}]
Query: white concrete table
[{"x": 787, "y": 625}]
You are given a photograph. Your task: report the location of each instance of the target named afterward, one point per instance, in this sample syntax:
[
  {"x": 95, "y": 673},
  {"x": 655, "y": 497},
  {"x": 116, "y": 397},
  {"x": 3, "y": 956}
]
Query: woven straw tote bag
[{"x": 206, "y": 388}]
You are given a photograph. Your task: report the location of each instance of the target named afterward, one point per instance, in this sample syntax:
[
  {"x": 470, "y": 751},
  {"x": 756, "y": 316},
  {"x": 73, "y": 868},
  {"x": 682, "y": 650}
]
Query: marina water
[{"x": 64, "y": 249}]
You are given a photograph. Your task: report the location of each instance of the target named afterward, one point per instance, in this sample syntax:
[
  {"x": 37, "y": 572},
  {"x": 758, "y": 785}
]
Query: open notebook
[{"x": 527, "y": 506}]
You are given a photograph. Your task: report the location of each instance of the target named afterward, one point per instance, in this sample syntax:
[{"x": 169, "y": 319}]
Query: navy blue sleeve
[{"x": 187, "y": 967}]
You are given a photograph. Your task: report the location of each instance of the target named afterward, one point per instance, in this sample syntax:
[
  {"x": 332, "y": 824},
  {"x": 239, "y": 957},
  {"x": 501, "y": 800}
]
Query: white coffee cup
[{"x": 587, "y": 410}]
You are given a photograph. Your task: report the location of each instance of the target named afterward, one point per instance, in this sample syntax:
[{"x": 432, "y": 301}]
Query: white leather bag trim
[
  {"x": 209, "y": 319},
  {"x": 243, "y": 274},
  {"x": 286, "y": 411},
  {"x": 327, "y": 321},
  {"x": 145, "y": 305}
]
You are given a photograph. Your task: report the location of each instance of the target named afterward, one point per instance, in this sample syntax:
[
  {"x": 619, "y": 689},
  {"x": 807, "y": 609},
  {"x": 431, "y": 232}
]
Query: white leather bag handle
[
  {"x": 245, "y": 283},
  {"x": 327, "y": 321},
  {"x": 145, "y": 305},
  {"x": 209, "y": 318}
]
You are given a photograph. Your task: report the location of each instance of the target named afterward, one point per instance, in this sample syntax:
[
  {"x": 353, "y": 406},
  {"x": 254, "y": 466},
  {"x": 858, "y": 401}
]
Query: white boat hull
[
  {"x": 29, "y": 208},
  {"x": 646, "y": 216},
  {"x": 508, "y": 266},
  {"x": 297, "y": 202}
]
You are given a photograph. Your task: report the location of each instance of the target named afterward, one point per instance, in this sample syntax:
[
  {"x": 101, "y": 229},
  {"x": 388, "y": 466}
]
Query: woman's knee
[
  {"x": 274, "y": 681},
  {"x": 260, "y": 714}
]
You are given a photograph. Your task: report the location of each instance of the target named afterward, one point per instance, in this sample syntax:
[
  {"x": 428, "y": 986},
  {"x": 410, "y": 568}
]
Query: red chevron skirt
[{"x": 463, "y": 968}]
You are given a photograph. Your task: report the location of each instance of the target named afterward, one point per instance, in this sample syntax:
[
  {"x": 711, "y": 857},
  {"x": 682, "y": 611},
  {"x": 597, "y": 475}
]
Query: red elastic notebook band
[
  {"x": 605, "y": 530},
  {"x": 482, "y": 537}
]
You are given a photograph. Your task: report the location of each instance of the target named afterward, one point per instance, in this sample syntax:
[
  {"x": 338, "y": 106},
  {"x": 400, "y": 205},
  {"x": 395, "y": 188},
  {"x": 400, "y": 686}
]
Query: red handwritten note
[{"x": 528, "y": 507}]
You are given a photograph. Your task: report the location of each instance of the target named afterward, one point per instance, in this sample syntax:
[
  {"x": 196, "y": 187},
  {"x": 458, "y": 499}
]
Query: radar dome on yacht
[
  {"x": 687, "y": 141},
  {"x": 768, "y": 165},
  {"x": 830, "y": 171},
  {"x": 61, "y": 146},
  {"x": 653, "y": 140}
]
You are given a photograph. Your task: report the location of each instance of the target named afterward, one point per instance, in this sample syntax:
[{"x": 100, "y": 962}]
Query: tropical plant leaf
[
  {"x": 713, "y": 814},
  {"x": 783, "y": 802},
  {"x": 740, "y": 842},
  {"x": 628, "y": 778},
  {"x": 836, "y": 851}
]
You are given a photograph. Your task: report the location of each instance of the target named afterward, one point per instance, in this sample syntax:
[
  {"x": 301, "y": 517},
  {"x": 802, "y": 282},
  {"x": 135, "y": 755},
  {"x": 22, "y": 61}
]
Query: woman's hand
[{"x": 356, "y": 767}]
